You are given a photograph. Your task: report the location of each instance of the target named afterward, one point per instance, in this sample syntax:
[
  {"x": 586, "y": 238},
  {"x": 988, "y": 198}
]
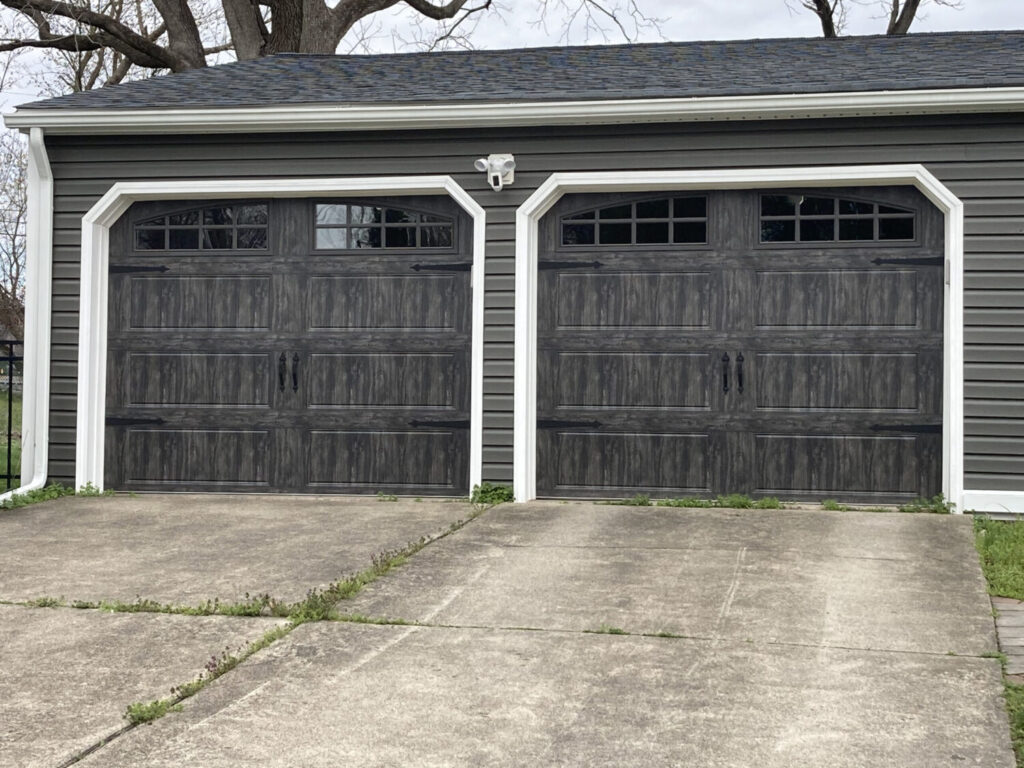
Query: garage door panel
[
  {"x": 407, "y": 460},
  {"x": 829, "y": 464},
  {"x": 636, "y": 300},
  {"x": 383, "y": 302},
  {"x": 386, "y": 380},
  {"x": 220, "y": 302},
  {"x": 838, "y": 381},
  {"x": 196, "y": 458},
  {"x": 631, "y": 380},
  {"x": 592, "y": 463},
  {"x": 837, "y": 299},
  {"x": 198, "y": 380}
]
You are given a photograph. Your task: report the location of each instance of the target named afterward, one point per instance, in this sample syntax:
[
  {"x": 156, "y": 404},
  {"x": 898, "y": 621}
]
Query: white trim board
[
  {"x": 475, "y": 114},
  {"x": 530, "y": 213},
  {"x": 92, "y": 335},
  {"x": 1007, "y": 504}
]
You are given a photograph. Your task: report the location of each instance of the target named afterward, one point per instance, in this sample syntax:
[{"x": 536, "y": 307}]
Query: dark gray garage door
[
  {"x": 290, "y": 345},
  {"x": 763, "y": 342}
]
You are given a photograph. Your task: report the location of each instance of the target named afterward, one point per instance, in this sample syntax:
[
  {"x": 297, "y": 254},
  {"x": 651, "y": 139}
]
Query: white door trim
[
  {"x": 528, "y": 218},
  {"x": 92, "y": 335}
]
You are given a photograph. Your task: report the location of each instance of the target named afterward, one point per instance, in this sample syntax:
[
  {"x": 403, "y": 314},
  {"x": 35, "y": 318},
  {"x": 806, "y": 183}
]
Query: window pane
[
  {"x": 817, "y": 230},
  {"x": 252, "y": 238},
  {"x": 186, "y": 217},
  {"x": 896, "y": 229},
  {"x": 432, "y": 217},
  {"x": 364, "y": 214},
  {"x": 690, "y": 207},
  {"x": 579, "y": 216},
  {"x": 184, "y": 239},
  {"x": 690, "y": 232},
  {"x": 890, "y": 209},
  {"x": 577, "y": 234},
  {"x": 816, "y": 206},
  {"x": 364, "y": 237},
  {"x": 616, "y": 234},
  {"x": 778, "y": 231},
  {"x": 651, "y": 232},
  {"x": 331, "y": 238},
  {"x": 328, "y": 213},
  {"x": 217, "y": 215},
  {"x": 217, "y": 238},
  {"x": 777, "y": 205},
  {"x": 652, "y": 209},
  {"x": 150, "y": 239},
  {"x": 852, "y": 206},
  {"x": 856, "y": 229},
  {"x": 617, "y": 212},
  {"x": 393, "y": 216},
  {"x": 252, "y": 214},
  {"x": 436, "y": 237},
  {"x": 400, "y": 237}
]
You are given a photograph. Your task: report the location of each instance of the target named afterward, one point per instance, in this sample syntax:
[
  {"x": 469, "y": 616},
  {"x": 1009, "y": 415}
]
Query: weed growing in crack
[
  {"x": 832, "y": 505},
  {"x": 937, "y": 505},
  {"x": 606, "y": 629},
  {"x": 487, "y": 495},
  {"x": 381, "y": 496},
  {"x": 46, "y": 602},
  {"x": 730, "y": 501}
]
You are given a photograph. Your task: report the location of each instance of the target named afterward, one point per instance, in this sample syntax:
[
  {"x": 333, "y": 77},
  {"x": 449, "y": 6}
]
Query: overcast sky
[{"x": 680, "y": 20}]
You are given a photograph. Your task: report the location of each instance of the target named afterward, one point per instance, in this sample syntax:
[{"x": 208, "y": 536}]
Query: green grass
[
  {"x": 1015, "y": 708},
  {"x": 729, "y": 501},
  {"x": 937, "y": 505},
  {"x": 487, "y": 495},
  {"x": 1001, "y": 547},
  {"x": 48, "y": 493}
]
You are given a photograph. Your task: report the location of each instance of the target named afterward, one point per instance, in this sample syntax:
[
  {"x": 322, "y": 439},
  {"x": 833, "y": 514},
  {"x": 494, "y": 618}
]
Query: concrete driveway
[{"x": 545, "y": 634}]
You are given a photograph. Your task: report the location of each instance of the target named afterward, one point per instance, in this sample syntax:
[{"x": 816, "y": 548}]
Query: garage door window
[
  {"x": 662, "y": 221},
  {"x": 340, "y": 226},
  {"x": 809, "y": 219},
  {"x": 241, "y": 227}
]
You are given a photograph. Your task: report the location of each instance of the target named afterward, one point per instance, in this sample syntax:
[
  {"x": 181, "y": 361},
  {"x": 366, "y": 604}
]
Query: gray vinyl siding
[{"x": 980, "y": 158}]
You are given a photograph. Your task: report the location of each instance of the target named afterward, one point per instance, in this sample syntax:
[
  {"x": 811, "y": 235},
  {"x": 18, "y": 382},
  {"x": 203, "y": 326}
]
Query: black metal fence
[{"x": 10, "y": 379}]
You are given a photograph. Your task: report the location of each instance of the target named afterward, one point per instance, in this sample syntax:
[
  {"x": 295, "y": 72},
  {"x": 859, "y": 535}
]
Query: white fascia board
[
  {"x": 353, "y": 117},
  {"x": 92, "y": 330}
]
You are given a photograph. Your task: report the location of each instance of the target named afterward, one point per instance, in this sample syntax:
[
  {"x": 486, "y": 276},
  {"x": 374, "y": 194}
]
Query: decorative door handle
[
  {"x": 725, "y": 372},
  {"x": 282, "y": 371},
  {"x": 739, "y": 373},
  {"x": 295, "y": 372}
]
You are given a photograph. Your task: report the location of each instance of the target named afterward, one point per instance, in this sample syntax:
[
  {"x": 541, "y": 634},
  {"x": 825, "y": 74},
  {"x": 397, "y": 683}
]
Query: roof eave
[{"x": 353, "y": 117}]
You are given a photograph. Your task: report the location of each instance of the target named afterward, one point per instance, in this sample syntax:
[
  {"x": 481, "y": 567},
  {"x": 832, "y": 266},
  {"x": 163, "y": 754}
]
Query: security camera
[{"x": 500, "y": 170}]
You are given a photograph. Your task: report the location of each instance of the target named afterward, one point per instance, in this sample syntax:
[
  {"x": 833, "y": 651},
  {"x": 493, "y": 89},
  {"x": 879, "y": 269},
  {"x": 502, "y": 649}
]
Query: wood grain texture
[
  {"x": 288, "y": 370},
  {"x": 805, "y": 369}
]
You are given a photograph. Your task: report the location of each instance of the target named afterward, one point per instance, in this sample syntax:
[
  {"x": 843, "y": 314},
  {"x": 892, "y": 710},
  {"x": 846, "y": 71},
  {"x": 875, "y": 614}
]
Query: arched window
[
  {"x": 662, "y": 221},
  {"x": 232, "y": 227},
  {"x": 800, "y": 218},
  {"x": 345, "y": 226}
]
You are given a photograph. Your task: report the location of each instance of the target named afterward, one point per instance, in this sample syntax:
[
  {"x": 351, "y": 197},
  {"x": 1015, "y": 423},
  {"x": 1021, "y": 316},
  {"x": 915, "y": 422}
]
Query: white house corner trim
[
  {"x": 35, "y": 417},
  {"x": 96, "y": 224},
  {"x": 530, "y": 213}
]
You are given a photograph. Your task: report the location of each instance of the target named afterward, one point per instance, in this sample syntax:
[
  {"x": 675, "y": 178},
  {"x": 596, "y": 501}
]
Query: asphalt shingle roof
[{"x": 661, "y": 70}]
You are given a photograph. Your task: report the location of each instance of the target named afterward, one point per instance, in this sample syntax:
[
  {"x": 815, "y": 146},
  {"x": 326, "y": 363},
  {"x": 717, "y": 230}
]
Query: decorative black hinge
[
  {"x": 921, "y": 429},
  {"x": 461, "y": 424},
  {"x": 126, "y": 268},
  {"x": 124, "y": 421},
  {"x": 923, "y": 261},
  {"x": 462, "y": 266},
  {"x": 569, "y": 265},
  {"x": 560, "y": 424}
]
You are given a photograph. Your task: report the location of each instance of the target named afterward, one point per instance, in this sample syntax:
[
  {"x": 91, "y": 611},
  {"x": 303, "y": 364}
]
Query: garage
[
  {"x": 302, "y": 346},
  {"x": 768, "y": 342}
]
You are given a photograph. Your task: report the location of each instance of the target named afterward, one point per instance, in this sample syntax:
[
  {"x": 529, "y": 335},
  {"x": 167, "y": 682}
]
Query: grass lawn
[
  {"x": 1001, "y": 546},
  {"x": 16, "y": 440}
]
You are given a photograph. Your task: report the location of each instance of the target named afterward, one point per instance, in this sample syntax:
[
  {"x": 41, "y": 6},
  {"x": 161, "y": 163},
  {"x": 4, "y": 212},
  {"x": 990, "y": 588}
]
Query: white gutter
[
  {"x": 351, "y": 117},
  {"x": 35, "y": 415}
]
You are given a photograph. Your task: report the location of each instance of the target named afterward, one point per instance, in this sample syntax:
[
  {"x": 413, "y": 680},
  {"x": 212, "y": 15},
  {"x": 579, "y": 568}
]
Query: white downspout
[{"x": 35, "y": 415}]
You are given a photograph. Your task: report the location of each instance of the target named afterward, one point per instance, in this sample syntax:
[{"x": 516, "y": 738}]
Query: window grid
[
  {"x": 663, "y": 221},
  {"x": 241, "y": 227},
  {"x": 848, "y": 221},
  {"x": 343, "y": 226}
]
